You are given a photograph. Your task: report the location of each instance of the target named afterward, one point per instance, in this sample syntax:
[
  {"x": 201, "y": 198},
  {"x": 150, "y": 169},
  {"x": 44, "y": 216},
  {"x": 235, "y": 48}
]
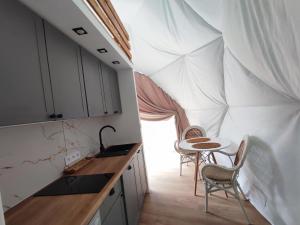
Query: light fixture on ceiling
[
  {"x": 102, "y": 50},
  {"x": 115, "y": 62},
  {"x": 79, "y": 30}
]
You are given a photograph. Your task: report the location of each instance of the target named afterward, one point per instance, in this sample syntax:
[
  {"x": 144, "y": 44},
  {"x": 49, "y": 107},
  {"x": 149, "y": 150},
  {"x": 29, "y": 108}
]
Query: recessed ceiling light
[
  {"x": 102, "y": 50},
  {"x": 79, "y": 31},
  {"x": 115, "y": 62}
]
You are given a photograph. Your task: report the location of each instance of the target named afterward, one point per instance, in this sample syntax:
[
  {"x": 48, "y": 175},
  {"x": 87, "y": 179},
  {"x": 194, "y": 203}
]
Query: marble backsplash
[{"x": 32, "y": 156}]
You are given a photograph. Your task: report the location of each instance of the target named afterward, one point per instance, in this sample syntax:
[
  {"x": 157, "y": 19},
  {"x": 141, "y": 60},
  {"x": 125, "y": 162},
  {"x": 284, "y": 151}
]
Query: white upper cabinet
[
  {"x": 102, "y": 88},
  {"x": 22, "y": 96},
  {"x": 44, "y": 75},
  {"x": 65, "y": 71}
]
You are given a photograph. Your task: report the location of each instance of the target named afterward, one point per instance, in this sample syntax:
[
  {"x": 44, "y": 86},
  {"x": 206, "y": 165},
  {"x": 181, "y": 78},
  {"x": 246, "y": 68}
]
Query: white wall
[
  {"x": 128, "y": 122},
  {"x": 32, "y": 156}
]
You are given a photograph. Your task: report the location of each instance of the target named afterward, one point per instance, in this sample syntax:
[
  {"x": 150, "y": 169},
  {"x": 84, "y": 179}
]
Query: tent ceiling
[
  {"x": 178, "y": 30},
  {"x": 234, "y": 66}
]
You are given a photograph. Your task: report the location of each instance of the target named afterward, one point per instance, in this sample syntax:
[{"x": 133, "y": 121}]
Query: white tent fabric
[
  {"x": 201, "y": 85},
  {"x": 243, "y": 88},
  {"x": 234, "y": 66},
  {"x": 261, "y": 35}
]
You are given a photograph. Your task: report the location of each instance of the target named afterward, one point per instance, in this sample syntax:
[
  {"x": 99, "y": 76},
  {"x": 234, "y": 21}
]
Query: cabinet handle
[
  {"x": 115, "y": 112},
  {"x": 60, "y": 116},
  {"x": 139, "y": 151},
  {"x": 52, "y": 116},
  {"x": 129, "y": 167},
  {"x": 112, "y": 191},
  {"x": 105, "y": 112}
]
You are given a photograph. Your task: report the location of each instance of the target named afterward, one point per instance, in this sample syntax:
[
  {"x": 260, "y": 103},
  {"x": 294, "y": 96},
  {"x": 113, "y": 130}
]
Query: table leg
[{"x": 196, "y": 172}]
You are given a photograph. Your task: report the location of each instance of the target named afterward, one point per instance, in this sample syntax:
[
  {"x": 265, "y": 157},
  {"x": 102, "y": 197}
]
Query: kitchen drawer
[{"x": 110, "y": 200}]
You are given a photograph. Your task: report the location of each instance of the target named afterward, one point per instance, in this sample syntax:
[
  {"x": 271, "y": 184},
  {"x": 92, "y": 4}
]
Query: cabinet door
[
  {"x": 130, "y": 192},
  {"x": 115, "y": 93},
  {"x": 116, "y": 215},
  {"x": 22, "y": 96},
  {"x": 106, "y": 73},
  {"x": 96, "y": 220},
  {"x": 143, "y": 174},
  {"x": 93, "y": 83},
  {"x": 111, "y": 90},
  {"x": 110, "y": 200},
  {"x": 140, "y": 193},
  {"x": 66, "y": 74}
]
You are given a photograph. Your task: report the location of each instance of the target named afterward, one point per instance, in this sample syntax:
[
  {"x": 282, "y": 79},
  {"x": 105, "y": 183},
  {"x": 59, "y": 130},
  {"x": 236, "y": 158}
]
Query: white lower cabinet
[
  {"x": 112, "y": 210},
  {"x": 96, "y": 219},
  {"x": 116, "y": 215},
  {"x": 124, "y": 203},
  {"x": 131, "y": 194},
  {"x": 135, "y": 186}
]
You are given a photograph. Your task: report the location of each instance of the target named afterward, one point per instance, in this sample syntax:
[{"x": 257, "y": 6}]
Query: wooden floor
[{"x": 171, "y": 202}]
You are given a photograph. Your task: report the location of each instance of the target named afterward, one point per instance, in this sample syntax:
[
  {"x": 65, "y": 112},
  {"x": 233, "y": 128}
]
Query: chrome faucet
[{"x": 102, "y": 148}]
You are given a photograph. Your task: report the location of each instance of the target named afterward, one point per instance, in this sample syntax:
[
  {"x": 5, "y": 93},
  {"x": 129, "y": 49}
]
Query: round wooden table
[{"x": 206, "y": 146}]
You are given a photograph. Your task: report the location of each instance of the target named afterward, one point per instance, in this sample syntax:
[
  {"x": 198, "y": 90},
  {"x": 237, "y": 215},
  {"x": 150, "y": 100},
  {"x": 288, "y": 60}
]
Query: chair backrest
[
  {"x": 193, "y": 131},
  {"x": 242, "y": 152}
]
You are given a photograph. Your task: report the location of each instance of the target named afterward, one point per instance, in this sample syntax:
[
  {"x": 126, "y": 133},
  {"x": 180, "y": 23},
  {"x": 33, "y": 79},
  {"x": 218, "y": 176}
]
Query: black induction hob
[{"x": 71, "y": 185}]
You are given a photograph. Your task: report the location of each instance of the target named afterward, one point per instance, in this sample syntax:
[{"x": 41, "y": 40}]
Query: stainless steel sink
[{"x": 115, "y": 150}]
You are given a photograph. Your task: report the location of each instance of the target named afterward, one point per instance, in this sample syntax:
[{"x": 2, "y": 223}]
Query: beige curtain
[{"x": 155, "y": 104}]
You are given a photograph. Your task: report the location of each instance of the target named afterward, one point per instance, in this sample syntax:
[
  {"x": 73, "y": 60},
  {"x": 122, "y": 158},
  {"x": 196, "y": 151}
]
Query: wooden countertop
[{"x": 70, "y": 209}]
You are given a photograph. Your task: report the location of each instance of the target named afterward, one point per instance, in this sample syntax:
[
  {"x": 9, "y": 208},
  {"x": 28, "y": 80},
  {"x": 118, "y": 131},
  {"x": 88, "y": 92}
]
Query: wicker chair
[
  {"x": 188, "y": 156},
  {"x": 218, "y": 177}
]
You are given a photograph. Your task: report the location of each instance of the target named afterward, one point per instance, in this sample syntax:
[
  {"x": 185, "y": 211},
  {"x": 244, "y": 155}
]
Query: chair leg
[
  {"x": 180, "y": 165},
  {"x": 196, "y": 173},
  {"x": 239, "y": 187},
  {"x": 206, "y": 196},
  {"x": 225, "y": 191},
  {"x": 200, "y": 177},
  {"x": 214, "y": 158},
  {"x": 238, "y": 198},
  {"x": 199, "y": 174}
]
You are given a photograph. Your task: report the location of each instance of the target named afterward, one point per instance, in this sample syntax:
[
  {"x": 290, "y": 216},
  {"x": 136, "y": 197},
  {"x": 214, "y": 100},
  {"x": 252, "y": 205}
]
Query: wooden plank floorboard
[{"x": 171, "y": 202}]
